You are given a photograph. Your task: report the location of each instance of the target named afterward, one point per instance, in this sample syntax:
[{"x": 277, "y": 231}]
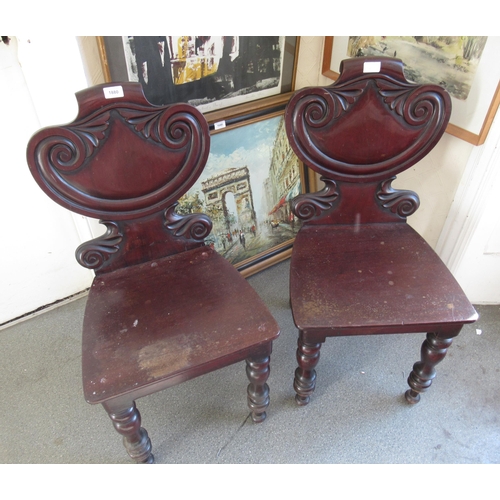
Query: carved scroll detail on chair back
[
  {"x": 308, "y": 205},
  {"x": 366, "y": 128},
  {"x": 194, "y": 226},
  {"x": 401, "y": 201},
  {"x": 130, "y": 174},
  {"x": 93, "y": 254}
]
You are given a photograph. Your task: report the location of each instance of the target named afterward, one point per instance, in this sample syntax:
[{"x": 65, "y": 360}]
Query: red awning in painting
[{"x": 278, "y": 206}]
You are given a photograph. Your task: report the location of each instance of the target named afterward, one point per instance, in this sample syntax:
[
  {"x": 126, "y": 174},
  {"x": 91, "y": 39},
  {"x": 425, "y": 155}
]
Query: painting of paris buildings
[
  {"x": 448, "y": 61},
  {"x": 246, "y": 189}
]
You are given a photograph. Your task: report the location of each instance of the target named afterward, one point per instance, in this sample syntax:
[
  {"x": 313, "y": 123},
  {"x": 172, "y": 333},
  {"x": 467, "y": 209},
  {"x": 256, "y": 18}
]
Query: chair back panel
[
  {"x": 126, "y": 162},
  {"x": 362, "y": 130},
  {"x": 122, "y": 158},
  {"x": 115, "y": 188},
  {"x": 366, "y": 126}
]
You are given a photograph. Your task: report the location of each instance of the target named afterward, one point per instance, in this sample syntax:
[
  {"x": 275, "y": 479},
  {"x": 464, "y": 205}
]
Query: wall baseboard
[{"x": 44, "y": 309}]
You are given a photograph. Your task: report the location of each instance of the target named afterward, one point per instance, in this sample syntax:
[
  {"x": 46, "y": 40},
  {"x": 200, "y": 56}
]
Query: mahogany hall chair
[
  {"x": 357, "y": 267},
  {"x": 163, "y": 306}
]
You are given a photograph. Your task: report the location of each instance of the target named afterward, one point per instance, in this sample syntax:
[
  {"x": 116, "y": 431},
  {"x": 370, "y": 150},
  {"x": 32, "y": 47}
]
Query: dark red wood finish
[
  {"x": 163, "y": 307},
  {"x": 357, "y": 268}
]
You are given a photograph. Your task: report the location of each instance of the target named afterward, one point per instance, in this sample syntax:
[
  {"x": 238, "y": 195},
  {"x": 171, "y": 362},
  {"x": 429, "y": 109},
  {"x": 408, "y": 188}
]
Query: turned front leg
[
  {"x": 127, "y": 421},
  {"x": 305, "y": 375},
  {"x": 433, "y": 351},
  {"x": 258, "y": 390}
]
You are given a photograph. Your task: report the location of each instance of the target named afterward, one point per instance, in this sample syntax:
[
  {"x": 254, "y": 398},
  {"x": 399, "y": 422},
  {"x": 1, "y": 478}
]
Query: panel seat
[
  {"x": 199, "y": 315},
  {"x": 370, "y": 279}
]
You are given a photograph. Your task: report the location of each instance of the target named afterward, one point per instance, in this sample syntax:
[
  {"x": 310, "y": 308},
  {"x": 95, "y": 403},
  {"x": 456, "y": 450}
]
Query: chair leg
[
  {"x": 127, "y": 421},
  {"x": 433, "y": 351},
  {"x": 258, "y": 390},
  {"x": 305, "y": 375}
]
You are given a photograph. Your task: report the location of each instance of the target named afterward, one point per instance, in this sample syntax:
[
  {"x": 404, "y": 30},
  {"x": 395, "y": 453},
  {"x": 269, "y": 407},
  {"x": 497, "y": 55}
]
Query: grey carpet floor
[{"x": 357, "y": 415}]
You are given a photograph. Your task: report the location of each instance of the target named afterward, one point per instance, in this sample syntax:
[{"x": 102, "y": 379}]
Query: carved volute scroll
[
  {"x": 126, "y": 162},
  {"x": 400, "y": 201},
  {"x": 368, "y": 126},
  {"x": 193, "y": 226},
  {"x": 93, "y": 254},
  {"x": 309, "y": 205}
]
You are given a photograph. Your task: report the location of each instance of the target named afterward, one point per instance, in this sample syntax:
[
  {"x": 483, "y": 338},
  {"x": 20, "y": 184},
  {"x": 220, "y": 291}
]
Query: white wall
[
  {"x": 38, "y": 266},
  {"x": 470, "y": 240}
]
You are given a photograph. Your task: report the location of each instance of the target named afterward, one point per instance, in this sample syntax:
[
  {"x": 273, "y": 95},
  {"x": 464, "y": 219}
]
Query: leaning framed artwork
[
  {"x": 210, "y": 72},
  {"x": 466, "y": 66},
  {"x": 247, "y": 186}
]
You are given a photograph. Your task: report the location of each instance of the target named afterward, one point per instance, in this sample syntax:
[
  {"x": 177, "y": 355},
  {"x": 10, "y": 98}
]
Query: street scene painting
[
  {"x": 246, "y": 189},
  {"x": 448, "y": 61},
  {"x": 209, "y": 72}
]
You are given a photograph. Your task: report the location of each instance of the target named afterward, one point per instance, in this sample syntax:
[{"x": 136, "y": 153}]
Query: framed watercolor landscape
[
  {"x": 466, "y": 66},
  {"x": 247, "y": 186}
]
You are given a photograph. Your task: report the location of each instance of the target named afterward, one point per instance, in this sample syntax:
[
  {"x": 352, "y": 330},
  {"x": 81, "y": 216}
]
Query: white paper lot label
[
  {"x": 113, "y": 92},
  {"x": 219, "y": 125},
  {"x": 371, "y": 67}
]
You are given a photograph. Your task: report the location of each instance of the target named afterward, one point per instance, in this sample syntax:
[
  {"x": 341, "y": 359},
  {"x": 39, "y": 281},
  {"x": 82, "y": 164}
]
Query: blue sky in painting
[{"x": 248, "y": 137}]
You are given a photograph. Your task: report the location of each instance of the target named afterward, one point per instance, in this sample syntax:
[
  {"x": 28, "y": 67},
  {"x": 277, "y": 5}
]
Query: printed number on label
[{"x": 113, "y": 92}]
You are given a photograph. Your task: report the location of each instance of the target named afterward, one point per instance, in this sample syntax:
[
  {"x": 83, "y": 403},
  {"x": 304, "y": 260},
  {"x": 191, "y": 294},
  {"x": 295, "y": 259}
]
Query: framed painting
[
  {"x": 246, "y": 189},
  {"x": 209, "y": 72},
  {"x": 465, "y": 65}
]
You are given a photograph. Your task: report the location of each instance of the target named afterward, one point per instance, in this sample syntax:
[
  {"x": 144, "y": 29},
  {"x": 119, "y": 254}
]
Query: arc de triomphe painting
[
  {"x": 237, "y": 182},
  {"x": 246, "y": 189}
]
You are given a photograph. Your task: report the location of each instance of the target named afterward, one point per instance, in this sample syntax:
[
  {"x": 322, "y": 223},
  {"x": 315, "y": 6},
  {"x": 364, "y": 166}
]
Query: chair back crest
[
  {"x": 126, "y": 162},
  {"x": 365, "y": 128}
]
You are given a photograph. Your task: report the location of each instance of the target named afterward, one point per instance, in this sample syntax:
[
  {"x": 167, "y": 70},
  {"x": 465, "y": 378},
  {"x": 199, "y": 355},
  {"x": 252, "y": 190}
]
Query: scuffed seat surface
[
  {"x": 145, "y": 318},
  {"x": 375, "y": 277}
]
